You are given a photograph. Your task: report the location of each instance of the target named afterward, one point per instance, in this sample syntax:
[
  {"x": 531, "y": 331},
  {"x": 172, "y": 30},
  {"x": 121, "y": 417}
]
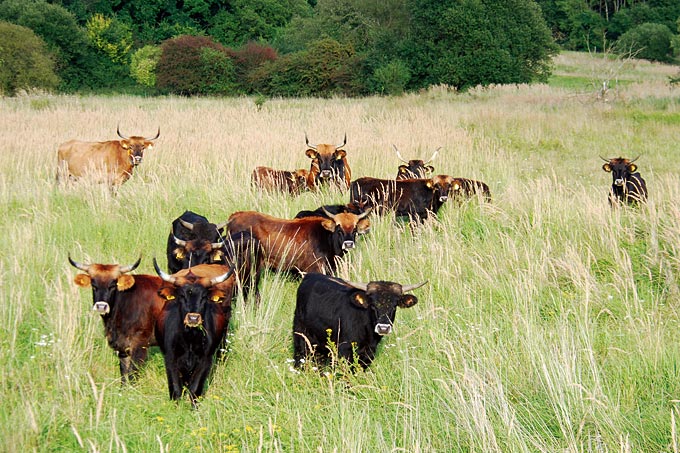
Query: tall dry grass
[{"x": 549, "y": 322}]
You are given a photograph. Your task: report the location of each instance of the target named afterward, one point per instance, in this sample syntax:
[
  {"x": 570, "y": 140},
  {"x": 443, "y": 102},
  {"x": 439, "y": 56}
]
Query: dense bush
[
  {"x": 25, "y": 63},
  {"x": 648, "y": 41},
  {"x": 194, "y": 65},
  {"x": 247, "y": 59},
  {"x": 326, "y": 69},
  {"x": 143, "y": 65},
  {"x": 110, "y": 36},
  {"x": 391, "y": 78}
]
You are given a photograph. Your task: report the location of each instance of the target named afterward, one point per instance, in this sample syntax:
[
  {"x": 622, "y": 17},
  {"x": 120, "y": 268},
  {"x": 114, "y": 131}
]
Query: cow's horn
[
  {"x": 360, "y": 286},
  {"x": 434, "y": 155},
  {"x": 365, "y": 213},
  {"x": 131, "y": 267},
  {"x": 119, "y": 134},
  {"x": 216, "y": 245},
  {"x": 221, "y": 225},
  {"x": 331, "y": 216},
  {"x": 179, "y": 241},
  {"x": 406, "y": 288},
  {"x": 344, "y": 142},
  {"x": 158, "y": 134},
  {"x": 187, "y": 225},
  {"x": 634, "y": 159},
  {"x": 399, "y": 155},
  {"x": 77, "y": 265},
  {"x": 606, "y": 160},
  {"x": 221, "y": 278},
  {"x": 309, "y": 144},
  {"x": 166, "y": 277}
]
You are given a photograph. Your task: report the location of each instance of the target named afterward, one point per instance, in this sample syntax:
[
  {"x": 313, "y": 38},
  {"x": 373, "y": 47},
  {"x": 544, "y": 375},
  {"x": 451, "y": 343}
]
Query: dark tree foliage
[
  {"x": 470, "y": 42},
  {"x": 248, "y": 59},
  {"x": 25, "y": 62},
  {"x": 195, "y": 65},
  {"x": 648, "y": 41}
]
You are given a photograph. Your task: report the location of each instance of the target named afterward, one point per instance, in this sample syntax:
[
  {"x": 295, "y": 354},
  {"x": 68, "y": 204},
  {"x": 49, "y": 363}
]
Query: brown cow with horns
[
  {"x": 329, "y": 164},
  {"x": 114, "y": 160}
]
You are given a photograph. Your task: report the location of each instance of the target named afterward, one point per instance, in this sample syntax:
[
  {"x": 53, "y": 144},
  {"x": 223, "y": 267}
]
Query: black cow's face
[
  {"x": 105, "y": 280},
  {"x": 416, "y": 169},
  {"x": 192, "y": 296},
  {"x": 198, "y": 251},
  {"x": 382, "y": 300},
  {"x": 344, "y": 228},
  {"x": 621, "y": 169},
  {"x": 327, "y": 162}
]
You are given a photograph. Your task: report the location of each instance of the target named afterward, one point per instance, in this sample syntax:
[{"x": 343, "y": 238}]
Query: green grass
[{"x": 549, "y": 322}]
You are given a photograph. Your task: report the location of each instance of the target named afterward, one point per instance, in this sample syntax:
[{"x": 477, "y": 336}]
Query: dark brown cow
[
  {"x": 129, "y": 306},
  {"x": 193, "y": 324},
  {"x": 627, "y": 184},
  {"x": 310, "y": 244},
  {"x": 414, "y": 198},
  {"x": 415, "y": 168},
  {"x": 292, "y": 182},
  {"x": 329, "y": 164},
  {"x": 464, "y": 189},
  {"x": 113, "y": 160}
]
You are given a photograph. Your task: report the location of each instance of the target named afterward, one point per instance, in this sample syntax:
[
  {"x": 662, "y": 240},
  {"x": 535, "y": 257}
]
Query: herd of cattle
[{"x": 187, "y": 311}]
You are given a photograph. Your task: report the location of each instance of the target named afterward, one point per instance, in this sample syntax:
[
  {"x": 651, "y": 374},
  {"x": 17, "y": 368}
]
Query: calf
[
  {"x": 627, "y": 185},
  {"x": 352, "y": 316},
  {"x": 292, "y": 182},
  {"x": 415, "y": 168},
  {"x": 464, "y": 189},
  {"x": 311, "y": 244},
  {"x": 193, "y": 324},
  {"x": 128, "y": 305}
]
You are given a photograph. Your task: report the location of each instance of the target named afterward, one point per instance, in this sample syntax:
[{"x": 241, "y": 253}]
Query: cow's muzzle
[
  {"x": 325, "y": 174},
  {"x": 193, "y": 320},
  {"x": 619, "y": 182},
  {"x": 443, "y": 198},
  {"x": 383, "y": 329},
  {"x": 136, "y": 160},
  {"x": 348, "y": 245},
  {"x": 101, "y": 307}
]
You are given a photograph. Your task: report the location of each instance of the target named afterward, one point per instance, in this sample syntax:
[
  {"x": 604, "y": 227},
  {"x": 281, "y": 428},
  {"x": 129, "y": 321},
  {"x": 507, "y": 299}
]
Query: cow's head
[
  {"x": 327, "y": 160},
  {"x": 105, "y": 280},
  {"x": 443, "y": 186},
  {"x": 344, "y": 228},
  {"x": 135, "y": 145},
  {"x": 382, "y": 299},
  {"x": 197, "y": 251},
  {"x": 299, "y": 179},
  {"x": 415, "y": 168},
  {"x": 620, "y": 168},
  {"x": 193, "y": 293}
]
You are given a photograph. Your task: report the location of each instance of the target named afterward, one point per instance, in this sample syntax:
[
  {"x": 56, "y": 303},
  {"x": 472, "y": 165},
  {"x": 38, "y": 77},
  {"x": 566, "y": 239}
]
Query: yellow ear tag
[
  {"x": 169, "y": 297},
  {"x": 216, "y": 299},
  {"x": 179, "y": 255},
  {"x": 429, "y": 184}
]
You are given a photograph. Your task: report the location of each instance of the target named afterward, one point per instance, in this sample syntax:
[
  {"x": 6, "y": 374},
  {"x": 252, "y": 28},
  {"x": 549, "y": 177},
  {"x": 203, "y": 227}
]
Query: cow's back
[{"x": 82, "y": 158}]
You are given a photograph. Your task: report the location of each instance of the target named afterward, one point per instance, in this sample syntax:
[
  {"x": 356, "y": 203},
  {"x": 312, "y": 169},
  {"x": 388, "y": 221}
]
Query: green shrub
[
  {"x": 143, "y": 65},
  {"x": 649, "y": 41},
  {"x": 25, "y": 63},
  {"x": 391, "y": 78},
  {"x": 110, "y": 36},
  {"x": 194, "y": 65}
]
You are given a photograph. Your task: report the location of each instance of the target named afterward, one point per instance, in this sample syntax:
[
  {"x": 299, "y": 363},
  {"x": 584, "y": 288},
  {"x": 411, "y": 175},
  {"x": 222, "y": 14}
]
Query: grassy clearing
[{"x": 549, "y": 322}]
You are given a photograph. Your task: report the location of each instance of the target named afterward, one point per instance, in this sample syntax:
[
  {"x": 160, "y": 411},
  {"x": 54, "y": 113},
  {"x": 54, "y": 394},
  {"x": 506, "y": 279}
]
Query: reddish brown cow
[
  {"x": 113, "y": 160},
  {"x": 292, "y": 182},
  {"x": 329, "y": 163},
  {"x": 464, "y": 189},
  {"x": 129, "y": 306},
  {"x": 310, "y": 244}
]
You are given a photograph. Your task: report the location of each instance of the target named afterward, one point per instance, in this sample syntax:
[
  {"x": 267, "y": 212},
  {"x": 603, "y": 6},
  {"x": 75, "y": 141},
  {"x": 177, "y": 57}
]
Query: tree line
[{"x": 312, "y": 47}]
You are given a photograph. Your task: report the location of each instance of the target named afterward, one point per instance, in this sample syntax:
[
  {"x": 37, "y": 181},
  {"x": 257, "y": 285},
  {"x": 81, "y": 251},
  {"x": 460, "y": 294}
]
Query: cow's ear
[
  {"x": 328, "y": 224},
  {"x": 217, "y": 255},
  {"x": 340, "y": 153},
  {"x": 403, "y": 168},
  {"x": 149, "y": 147},
  {"x": 407, "y": 300},
  {"x": 363, "y": 226},
  {"x": 125, "y": 282},
  {"x": 167, "y": 293},
  {"x": 632, "y": 168},
  {"x": 179, "y": 253},
  {"x": 360, "y": 300},
  {"x": 83, "y": 280},
  {"x": 311, "y": 154},
  {"x": 218, "y": 296},
  {"x": 429, "y": 184},
  {"x": 607, "y": 168},
  {"x": 455, "y": 186},
  {"x": 429, "y": 169},
  {"x": 125, "y": 144}
]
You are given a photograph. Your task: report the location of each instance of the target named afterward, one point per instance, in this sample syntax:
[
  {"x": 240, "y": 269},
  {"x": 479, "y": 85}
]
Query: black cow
[
  {"x": 627, "y": 185},
  {"x": 193, "y": 324},
  {"x": 353, "y": 316},
  {"x": 129, "y": 306},
  {"x": 415, "y": 168},
  {"x": 323, "y": 211}
]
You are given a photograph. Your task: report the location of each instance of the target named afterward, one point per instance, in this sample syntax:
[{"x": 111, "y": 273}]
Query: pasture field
[{"x": 549, "y": 324}]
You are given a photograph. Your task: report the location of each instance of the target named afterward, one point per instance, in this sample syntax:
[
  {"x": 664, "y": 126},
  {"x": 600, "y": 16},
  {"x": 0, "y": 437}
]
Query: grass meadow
[{"x": 549, "y": 324}]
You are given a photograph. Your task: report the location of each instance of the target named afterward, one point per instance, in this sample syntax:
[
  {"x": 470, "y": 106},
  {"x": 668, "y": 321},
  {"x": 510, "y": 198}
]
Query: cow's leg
[
  {"x": 302, "y": 347},
  {"x": 198, "y": 378},
  {"x": 174, "y": 382},
  {"x": 139, "y": 355},
  {"x": 125, "y": 365}
]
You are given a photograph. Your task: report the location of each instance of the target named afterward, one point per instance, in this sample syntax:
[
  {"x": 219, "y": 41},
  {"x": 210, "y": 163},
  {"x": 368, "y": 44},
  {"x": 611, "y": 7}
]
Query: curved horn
[
  {"x": 119, "y": 134},
  {"x": 360, "y": 286},
  {"x": 365, "y": 213},
  {"x": 606, "y": 160},
  {"x": 399, "y": 155},
  {"x": 406, "y": 288},
  {"x": 166, "y": 277},
  {"x": 434, "y": 155},
  {"x": 178, "y": 241},
  {"x": 635, "y": 159},
  {"x": 344, "y": 142},
  {"x": 221, "y": 278},
  {"x": 309, "y": 144},
  {"x": 330, "y": 216},
  {"x": 131, "y": 267},
  {"x": 216, "y": 245},
  {"x": 187, "y": 225},
  {"x": 77, "y": 265},
  {"x": 221, "y": 225},
  {"x": 158, "y": 134}
]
